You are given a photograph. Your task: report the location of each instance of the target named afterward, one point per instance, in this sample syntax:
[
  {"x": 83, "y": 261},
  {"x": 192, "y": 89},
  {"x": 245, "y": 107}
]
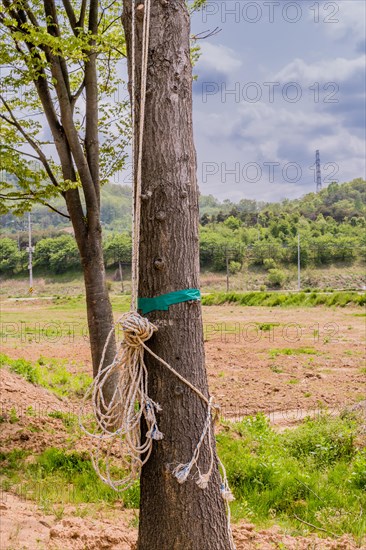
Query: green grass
[
  {"x": 57, "y": 476},
  {"x": 61, "y": 302},
  {"x": 49, "y": 373},
  {"x": 267, "y": 326},
  {"x": 20, "y": 366},
  {"x": 293, "y": 381},
  {"x": 276, "y": 368},
  {"x": 68, "y": 419},
  {"x": 68, "y": 325},
  {"x": 275, "y": 352},
  {"x": 314, "y": 472},
  {"x": 272, "y": 299}
]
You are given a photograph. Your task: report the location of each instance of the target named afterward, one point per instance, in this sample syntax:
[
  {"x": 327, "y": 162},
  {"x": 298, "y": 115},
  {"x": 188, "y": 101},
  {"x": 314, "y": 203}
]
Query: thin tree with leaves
[{"x": 65, "y": 125}]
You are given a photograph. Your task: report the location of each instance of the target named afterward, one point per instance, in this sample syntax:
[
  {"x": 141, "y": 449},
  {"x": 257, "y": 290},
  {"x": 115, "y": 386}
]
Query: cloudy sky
[{"x": 280, "y": 80}]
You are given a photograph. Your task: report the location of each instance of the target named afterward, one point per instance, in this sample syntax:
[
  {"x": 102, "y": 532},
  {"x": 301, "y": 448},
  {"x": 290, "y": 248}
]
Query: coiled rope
[{"x": 117, "y": 419}]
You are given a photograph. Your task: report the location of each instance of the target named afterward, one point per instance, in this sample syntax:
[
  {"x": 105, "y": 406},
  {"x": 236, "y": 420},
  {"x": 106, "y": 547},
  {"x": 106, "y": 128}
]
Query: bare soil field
[
  {"x": 287, "y": 363},
  {"x": 283, "y": 362},
  {"x": 25, "y": 527}
]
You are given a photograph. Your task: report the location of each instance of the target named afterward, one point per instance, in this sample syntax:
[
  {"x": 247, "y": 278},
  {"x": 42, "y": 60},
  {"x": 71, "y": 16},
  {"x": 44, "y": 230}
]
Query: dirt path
[{"x": 24, "y": 526}]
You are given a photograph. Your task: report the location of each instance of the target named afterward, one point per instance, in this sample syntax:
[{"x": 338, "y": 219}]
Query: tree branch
[
  {"x": 81, "y": 21},
  {"x": 30, "y": 14},
  {"x": 316, "y": 527},
  {"x": 17, "y": 198},
  {"x": 72, "y": 135},
  {"x": 78, "y": 93},
  {"x": 71, "y": 15},
  {"x": 19, "y": 151},
  {"x": 65, "y": 136},
  {"x": 60, "y": 136},
  {"x": 119, "y": 51},
  {"x": 40, "y": 81},
  {"x": 55, "y": 210},
  {"x": 206, "y": 34},
  {"x": 30, "y": 197},
  {"x": 54, "y": 30},
  {"x": 111, "y": 23},
  {"x": 91, "y": 108},
  {"x": 42, "y": 157}
]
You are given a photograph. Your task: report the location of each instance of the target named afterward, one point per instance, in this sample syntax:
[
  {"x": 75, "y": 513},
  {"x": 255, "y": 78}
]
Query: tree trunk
[
  {"x": 89, "y": 241},
  {"x": 173, "y": 516},
  {"x": 99, "y": 309}
]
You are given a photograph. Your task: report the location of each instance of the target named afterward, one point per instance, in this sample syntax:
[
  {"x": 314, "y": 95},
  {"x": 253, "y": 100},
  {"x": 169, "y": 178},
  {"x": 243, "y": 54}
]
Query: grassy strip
[
  {"x": 49, "y": 373},
  {"x": 316, "y": 472},
  {"x": 57, "y": 477},
  {"x": 271, "y": 299},
  {"x": 292, "y": 351}
]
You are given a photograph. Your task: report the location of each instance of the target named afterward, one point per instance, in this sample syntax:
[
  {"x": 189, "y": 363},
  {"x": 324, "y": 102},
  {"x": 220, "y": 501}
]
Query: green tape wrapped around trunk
[{"x": 162, "y": 303}]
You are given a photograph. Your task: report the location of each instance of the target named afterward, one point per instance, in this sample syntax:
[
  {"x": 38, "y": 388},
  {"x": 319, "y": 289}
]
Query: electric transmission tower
[{"x": 318, "y": 172}]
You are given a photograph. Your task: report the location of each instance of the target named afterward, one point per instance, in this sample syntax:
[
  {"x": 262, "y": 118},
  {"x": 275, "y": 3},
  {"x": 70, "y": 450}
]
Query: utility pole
[
  {"x": 121, "y": 276},
  {"x": 30, "y": 253},
  {"x": 227, "y": 272},
  {"x": 298, "y": 263}
]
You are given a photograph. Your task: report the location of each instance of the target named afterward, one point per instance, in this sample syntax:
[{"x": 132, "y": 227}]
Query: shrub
[
  {"x": 117, "y": 248},
  {"x": 323, "y": 441},
  {"x": 50, "y": 374},
  {"x": 232, "y": 222},
  {"x": 60, "y": 476},
  {"x": 358, "y": 474},
  {"x": 269, "y": 263},
  {"x": 272, "y": 299},
  {"x": 234, "y": 267},
  {"x": 276, "y": 278},
  {"x": 58, "y": 255},
  {"x": 11, "y": 258}
]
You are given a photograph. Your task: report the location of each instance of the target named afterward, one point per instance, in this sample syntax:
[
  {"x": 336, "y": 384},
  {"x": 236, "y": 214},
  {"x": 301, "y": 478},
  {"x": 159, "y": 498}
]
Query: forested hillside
[{"x": 331, "y": 226}]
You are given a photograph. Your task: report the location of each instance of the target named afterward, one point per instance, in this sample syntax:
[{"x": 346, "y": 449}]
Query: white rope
[
  {"x": 117, "y": 418},
  {"x": 117, "y": 421},
  {"x": 137, "y": 167},
  {"x": 135, "y": 252}
]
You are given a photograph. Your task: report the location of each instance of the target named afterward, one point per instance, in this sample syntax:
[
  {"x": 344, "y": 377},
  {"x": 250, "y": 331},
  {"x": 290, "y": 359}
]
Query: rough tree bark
[{"x": 173, "y": 516}]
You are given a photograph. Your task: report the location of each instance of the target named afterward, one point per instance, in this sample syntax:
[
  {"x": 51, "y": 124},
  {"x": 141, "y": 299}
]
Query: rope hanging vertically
[
  {"x": 137, "y": 162},
  {"x": 117, "y": 420}
]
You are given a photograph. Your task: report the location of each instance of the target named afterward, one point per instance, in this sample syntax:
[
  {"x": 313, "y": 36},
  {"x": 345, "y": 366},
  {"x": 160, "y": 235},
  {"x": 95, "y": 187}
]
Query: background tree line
[{"x": 331, "y": 225}]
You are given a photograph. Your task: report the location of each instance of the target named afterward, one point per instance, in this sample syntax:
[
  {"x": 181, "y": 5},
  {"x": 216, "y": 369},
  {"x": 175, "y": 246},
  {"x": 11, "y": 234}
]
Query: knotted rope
[{"x": 118, "y": 418}]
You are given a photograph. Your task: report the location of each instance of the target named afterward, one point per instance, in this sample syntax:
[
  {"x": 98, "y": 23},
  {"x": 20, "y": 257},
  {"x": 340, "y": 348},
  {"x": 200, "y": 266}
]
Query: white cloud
[
  {"x": 230, "y": 130},
  {"x": 349, "y": 17},
  {"x": 261, "y": 133},
  {"x": 218, "y": 58},
  {"x": 336, "y": 70}
]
